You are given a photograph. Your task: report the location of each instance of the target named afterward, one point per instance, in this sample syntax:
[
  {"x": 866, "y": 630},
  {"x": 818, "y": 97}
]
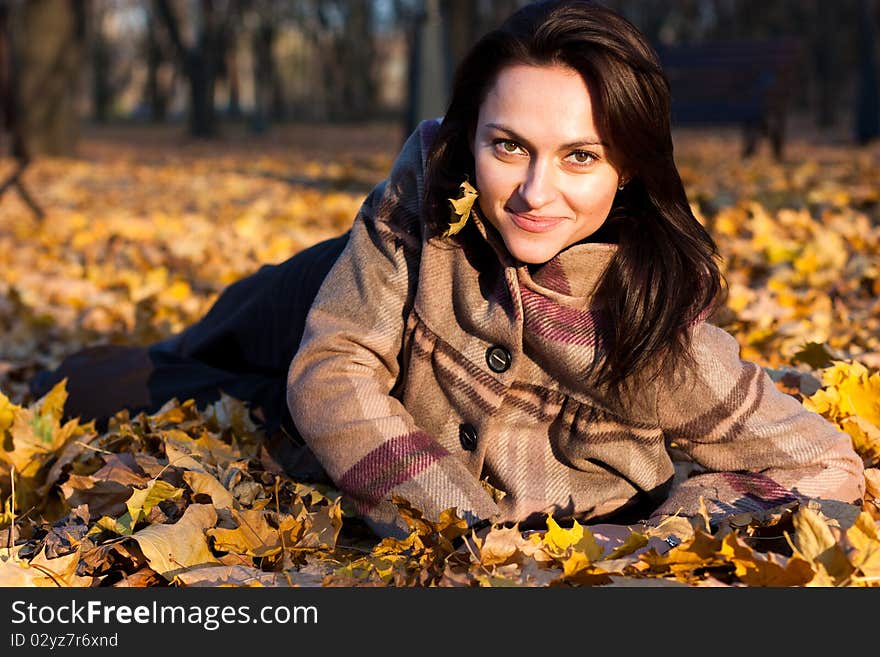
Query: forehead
[{"x": 550, "y": 102}]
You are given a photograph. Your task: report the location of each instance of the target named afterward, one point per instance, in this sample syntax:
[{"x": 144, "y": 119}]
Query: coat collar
[{"x": 569, "y": 278}]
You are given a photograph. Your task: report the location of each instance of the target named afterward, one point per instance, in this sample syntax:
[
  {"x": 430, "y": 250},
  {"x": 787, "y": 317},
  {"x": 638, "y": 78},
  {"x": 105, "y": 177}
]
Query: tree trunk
[
  {"x": 202, "y": 115},
  {"x": 827, "y": 65},
  {"x": 428, "y": 92},
  {"x": 156, "y": 97},
  {"x": 868, "y": 99},
  {"x": 233, "y": 108},
  {"x": 199, "y": 64},
  {"x": 48, "y": 37},
  {"x": 358, "y": 58},
  {"x": 102, "y": 91},
  {"x": 261, "y": 45},
  {"x": 461, "y": 19}
]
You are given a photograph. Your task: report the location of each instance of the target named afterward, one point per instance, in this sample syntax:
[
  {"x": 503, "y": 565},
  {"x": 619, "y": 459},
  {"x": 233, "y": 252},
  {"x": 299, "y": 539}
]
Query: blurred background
[
  {"x": 154, "y": 151},
  {"x": 209, "y": 65}
]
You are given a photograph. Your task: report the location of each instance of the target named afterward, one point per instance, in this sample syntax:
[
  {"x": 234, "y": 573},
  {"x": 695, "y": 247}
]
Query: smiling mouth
[{"x": 534, "y": 224}]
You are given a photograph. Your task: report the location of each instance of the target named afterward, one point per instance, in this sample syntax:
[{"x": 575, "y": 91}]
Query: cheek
[
  {"x": 593, "y": 200},
  {"x": 494, "y": 183}
]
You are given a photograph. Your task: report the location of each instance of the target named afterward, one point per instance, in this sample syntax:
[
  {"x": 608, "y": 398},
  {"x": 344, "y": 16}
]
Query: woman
[{"x": 543, "y": 347}]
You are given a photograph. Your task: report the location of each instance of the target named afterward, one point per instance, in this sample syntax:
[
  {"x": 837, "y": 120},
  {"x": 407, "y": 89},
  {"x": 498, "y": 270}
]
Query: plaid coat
[{"x": 429, "y": 369}]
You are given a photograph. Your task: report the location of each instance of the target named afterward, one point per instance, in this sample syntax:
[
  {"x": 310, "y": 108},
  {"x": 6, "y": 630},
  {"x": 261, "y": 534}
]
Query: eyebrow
[{"x": 589, "y": 141}]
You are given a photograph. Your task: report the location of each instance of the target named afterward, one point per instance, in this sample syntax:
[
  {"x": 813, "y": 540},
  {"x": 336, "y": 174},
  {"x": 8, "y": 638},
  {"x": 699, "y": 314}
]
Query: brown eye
[
  {"x": 582, "y": 157},
  {"x": 507, "y": 147}
]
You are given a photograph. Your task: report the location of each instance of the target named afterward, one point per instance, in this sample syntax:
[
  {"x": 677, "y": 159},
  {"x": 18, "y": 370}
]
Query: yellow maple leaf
[
  {"x": 35, "y": 434},
  {"x": 815, "y": 543},
  {"x": 7, "y": 414},
  {"x": 769, "y": 570},
  {"x": 859, "y": 391},
  {"x": 560, "y": 542},
  {"x": 579, "y": 569},
  {"x": 865, "y": 437},
  {"x": 143, "y": 500},
  {"x": 461, "y": 208},
  {"x": 252, "y": 536},
  {"x": 502, "y": 546},
  {"x": 864, "y": 538}
]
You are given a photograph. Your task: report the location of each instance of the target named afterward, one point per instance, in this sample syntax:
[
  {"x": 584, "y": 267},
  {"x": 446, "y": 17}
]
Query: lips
[{"x": 534, "y": 224}]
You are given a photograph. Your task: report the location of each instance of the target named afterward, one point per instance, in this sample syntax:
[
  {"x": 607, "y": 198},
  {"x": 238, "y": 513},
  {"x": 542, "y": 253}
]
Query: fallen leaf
[
  {"x": 203, "y": 483},
  {"x": 172, "y": 549},
  {"x": 815, "y": 543},
  {"x": 142, "y": 500},
  {"x": 60, "y": 571},
  {"x": 239, "y": 576},
  {"x": 252, "y": 535}
]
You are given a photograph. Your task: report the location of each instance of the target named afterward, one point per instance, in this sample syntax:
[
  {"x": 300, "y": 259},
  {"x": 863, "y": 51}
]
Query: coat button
[
  {"x": 498, "y": 358},
  {"x": 467, "y": 436}
]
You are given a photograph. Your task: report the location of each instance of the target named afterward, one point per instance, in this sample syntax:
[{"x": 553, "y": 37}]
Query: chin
[{"x": 531, "y": 254}]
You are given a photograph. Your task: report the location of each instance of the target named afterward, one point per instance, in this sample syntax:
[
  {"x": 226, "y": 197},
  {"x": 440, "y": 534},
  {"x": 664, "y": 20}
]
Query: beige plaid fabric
[{"x": 399, "y": 388}]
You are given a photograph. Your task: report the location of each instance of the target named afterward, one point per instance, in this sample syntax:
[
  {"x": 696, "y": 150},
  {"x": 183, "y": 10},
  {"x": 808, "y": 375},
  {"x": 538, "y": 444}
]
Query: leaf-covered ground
[{"x": 145, "y": 228}]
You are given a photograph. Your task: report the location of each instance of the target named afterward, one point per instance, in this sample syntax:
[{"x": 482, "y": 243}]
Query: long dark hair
[{"x": 665, "y": 275}]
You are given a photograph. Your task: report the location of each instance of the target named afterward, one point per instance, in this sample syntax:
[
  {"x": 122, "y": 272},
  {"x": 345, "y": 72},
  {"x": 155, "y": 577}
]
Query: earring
[
  {"x": 622, "y": 184},
  {"x": 461, "y": 208}
]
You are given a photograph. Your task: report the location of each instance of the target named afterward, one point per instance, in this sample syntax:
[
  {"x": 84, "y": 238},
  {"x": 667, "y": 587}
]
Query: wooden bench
[{"x": 747, "y": 83}]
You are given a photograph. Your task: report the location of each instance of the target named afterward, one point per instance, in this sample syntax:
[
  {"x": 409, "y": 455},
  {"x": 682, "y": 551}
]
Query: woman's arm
[
  {"x": 341, "y": 377},
  {"x": 760, "y": 446}
]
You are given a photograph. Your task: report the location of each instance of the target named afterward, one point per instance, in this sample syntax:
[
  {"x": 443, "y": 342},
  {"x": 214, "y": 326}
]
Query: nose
[{"x": 538, "y": 188}]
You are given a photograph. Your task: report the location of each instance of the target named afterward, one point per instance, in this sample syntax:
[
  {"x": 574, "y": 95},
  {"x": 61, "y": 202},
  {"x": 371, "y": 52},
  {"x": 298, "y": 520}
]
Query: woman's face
[{"x": 544, "y": 176}]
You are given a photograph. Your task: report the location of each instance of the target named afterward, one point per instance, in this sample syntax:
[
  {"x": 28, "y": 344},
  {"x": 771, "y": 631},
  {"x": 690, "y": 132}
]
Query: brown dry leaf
[
  {"x": 817, "y": 355},
  {"x": 231, "y": 413},
  {"x": 872, "y": 482},
  {"x": 60, "y": 571},
  {"x": 181, "y": 459},
  {"x": 16, "y": 573},
  {"x": 106, "y": 491},
  {"x": 202, "y": 483},
  {"x": 501, "y": 546},
  {"x": 699, "y": 553},
  {"x": 207, "y": 449},
  {"x": 103, "y": 497},
  {"x": 815, "y": 543},
  {"x": 318, "y": 529},
  {"x": 238, "y": 576},
  {"x": 143, "y": 500},
  {"x": 864, "y": 538},
  {"x": 123, "y": 469},
  {"x": 368, "y": 571},
  {"x": 865, "y": 436},
  {"x": 833, "y": 513},
  {"x": 414, "y": 518},
  {"x": 172, "y": 549},
  {"x": 578, "y": 569},
  {"x": 753, "y": 569},
  {"x": 73, "y": 450},
  {"x": 619, "y": 581},
  {"x": 141, "y": 578},
  {"x": 111, "y": 558},
  {"x": 67, "y": 534},
  {"x": 251, "y": 536}
]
